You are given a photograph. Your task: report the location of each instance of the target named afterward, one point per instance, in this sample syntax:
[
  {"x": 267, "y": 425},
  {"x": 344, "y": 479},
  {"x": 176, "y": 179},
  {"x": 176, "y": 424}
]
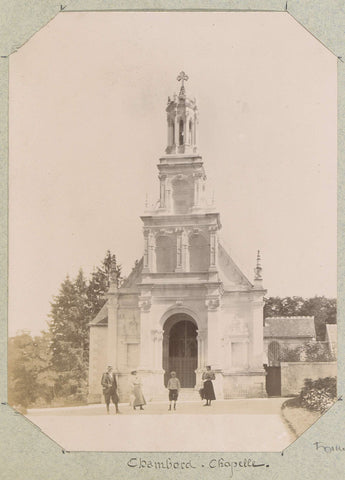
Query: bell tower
[
  {"x": 182, "y": 116},
  {"x": 181, "y": 230},
  {"x": 181, "y": 172}
]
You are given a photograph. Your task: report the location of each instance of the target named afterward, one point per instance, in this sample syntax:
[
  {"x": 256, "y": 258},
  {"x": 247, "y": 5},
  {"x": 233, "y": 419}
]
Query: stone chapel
[{"x": 186, "y": 304}]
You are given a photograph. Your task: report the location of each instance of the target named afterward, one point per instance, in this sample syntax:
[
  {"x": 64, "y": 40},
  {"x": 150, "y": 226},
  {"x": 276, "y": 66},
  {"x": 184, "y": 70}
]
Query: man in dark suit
[{"x": 109, "y": 385}]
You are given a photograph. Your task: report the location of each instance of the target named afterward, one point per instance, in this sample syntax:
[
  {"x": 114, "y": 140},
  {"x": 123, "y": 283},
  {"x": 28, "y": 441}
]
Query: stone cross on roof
[{"x": 182, "y": 77}]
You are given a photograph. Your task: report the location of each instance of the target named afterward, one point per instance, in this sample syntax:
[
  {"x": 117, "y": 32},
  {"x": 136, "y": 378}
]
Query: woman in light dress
[{"x": 137, "y": 397}]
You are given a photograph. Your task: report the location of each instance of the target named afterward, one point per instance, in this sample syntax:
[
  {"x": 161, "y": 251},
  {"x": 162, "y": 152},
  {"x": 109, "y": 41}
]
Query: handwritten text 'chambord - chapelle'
[{"x": 215, "y": 463}]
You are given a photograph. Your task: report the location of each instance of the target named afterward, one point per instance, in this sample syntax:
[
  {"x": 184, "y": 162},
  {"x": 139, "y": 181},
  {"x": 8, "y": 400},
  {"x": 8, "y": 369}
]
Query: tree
[
  {"x": 99, "y": 282},
  {"x": 71, "y": 312},
  {"x": 283, "y": 307},
  {"x": 77, "y": 303},
  {"x": 324, "y": 310},
  {"x": 29, "y": 375},
  {"x": 55, "y": 364}
]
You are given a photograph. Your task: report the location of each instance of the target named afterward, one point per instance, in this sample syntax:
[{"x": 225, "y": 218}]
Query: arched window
[
  {"x": 181, "y": 133},
  {"x": 199, "y": 253},
  {"x": 165, "y": 254},
  {"x": 182, "y": 196}
]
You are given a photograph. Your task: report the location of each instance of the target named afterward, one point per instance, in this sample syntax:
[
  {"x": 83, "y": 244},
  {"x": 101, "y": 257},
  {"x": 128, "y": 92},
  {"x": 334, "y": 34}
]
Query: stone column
[
  {"x": 201, "y": 348},
  {"x": 170, "y": 132},
  {"x": 257, "y": 340},
  {"x": 168, "y": 202},
  {"x": 194, "y": 130},
  {"x": 176, "y": 130},
  {"x": 162, "y": 179},
  {"x": 214, "y": 343},
  {"x": 146, "y": 266},
  {"x": 112, "y": 346},
  {"x": 186, "y": 135},
  {"x": 145, "y": 337},
  {"x": 195, "y": 185},
  {"x": 213, "y": 248},
  {"x": 179, "y": 250},
  {"x": 213, "y": 340},
  {"x": 227, "y": 352},
  {"x": 157, "y": 336},
  {"x": 197, "y": 189},
  {"x": 152, "y": 252},
  {"x": 185, "y": 251}
]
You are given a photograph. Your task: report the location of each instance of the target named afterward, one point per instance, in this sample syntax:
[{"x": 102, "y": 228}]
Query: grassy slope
[{"x": 299, "y": 419}]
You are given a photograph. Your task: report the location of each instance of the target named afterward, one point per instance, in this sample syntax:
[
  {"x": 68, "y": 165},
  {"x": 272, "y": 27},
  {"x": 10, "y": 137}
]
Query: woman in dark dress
[{"x": 208, "y": 391}]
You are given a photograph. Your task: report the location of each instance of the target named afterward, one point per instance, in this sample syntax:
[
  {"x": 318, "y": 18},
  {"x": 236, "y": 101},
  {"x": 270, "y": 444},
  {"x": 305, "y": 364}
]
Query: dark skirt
[{"x": 208, "y": 391}]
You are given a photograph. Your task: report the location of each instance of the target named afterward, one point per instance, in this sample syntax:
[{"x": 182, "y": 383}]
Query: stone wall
[
  {"x": 98, "y": 362},
  {"x": 244, "y": 385},
  {"x": 294, "y": 373}
]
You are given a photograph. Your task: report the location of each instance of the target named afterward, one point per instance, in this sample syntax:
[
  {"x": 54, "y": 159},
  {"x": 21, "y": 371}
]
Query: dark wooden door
[
  {"x": 273, "y": 381},
  {"x": 183, "y": 352}
]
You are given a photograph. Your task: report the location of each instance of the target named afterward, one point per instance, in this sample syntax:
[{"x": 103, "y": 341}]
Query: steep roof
[
  {"x": 229, "y": 272},
  {"x": 289, "y": 327},
  {"x": 128, "y": 286},
  {"x": 131, "y": 281},
  {"x": 102, "y": 316}
]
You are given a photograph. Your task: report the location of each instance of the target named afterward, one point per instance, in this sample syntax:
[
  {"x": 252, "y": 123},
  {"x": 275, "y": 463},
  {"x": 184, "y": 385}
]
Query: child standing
[{"x": 173, "y": 387}]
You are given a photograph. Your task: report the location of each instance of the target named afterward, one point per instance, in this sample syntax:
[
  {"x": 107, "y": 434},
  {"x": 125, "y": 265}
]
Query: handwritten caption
[
  {"x": 322, "y": 447},
  {"x": 169, "y": 463}
]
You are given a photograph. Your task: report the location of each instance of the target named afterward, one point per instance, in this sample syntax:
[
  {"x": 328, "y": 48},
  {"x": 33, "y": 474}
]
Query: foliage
[
  {"x": 29, "y": 374},
  {"x": 72, "y": 310},
  {"x": 53, "y": 368},
  {"x": 99, "y": 282},
  {"x": 307, "y": 352},
  {"x": 70, "y": 315},
  {"x": 288, "y": 354},
  {"x": 319, "y": 395},
  {"x": 324, "y": 310}
]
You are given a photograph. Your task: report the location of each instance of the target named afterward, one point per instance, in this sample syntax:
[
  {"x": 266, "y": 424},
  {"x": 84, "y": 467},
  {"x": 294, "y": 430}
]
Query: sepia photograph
[{"x": 172, "y": 231}]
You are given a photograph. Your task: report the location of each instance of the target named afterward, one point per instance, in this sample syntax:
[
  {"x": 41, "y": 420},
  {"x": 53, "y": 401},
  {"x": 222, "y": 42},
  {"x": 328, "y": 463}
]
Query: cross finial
[
  {"x": 113, "y": 271},
  {"x": 258, "y": 269},
  {"x": 183, "y": 78}
]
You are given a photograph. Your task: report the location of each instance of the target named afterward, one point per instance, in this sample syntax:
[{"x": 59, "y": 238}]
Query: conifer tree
[
  {"x": 70, "y": 315},
  {"x": 99, "y": 282}
]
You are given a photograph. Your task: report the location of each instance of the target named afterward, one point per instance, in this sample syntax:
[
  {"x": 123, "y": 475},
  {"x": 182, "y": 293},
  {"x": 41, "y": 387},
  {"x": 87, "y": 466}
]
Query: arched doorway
[{"x": 180, "y": 349}]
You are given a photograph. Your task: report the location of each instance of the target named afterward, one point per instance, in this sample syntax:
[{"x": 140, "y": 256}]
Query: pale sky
[{"x": 88, "y": 125}]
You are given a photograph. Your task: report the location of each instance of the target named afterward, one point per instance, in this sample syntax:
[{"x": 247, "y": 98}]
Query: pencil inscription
[{"x": 320, "y": 446}]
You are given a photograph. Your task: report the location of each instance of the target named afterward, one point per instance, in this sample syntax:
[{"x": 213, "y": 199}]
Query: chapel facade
[{"x": 186, "y": 304}]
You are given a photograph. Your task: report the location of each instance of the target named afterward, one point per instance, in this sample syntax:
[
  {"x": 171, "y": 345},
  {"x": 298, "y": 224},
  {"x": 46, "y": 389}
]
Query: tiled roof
[{"x": 292, "y": 327}]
